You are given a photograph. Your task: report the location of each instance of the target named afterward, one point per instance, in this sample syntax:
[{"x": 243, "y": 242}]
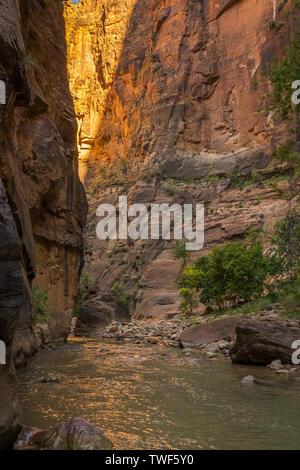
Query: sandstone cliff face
[
  {"x": 42, "y": 200},
  {"x": 173, "y": 115},
  {"x": 95, "y": 31}
]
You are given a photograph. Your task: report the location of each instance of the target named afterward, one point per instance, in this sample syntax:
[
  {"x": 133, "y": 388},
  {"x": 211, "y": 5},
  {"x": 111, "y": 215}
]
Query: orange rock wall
[
  {"x": 164, "y": 75},
  {"x": 168, "y": 95}
]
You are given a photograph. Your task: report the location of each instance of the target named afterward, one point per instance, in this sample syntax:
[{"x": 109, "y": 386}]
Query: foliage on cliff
[
  {"x": 39, "y": 305},
  {"x": 283, "y": 74}
]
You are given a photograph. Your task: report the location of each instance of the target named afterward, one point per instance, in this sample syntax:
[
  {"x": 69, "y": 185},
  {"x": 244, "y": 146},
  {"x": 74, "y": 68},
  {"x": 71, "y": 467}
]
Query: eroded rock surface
[
  {"x": 167, "y": 95},
  {"x": 43, "y": 205},
  {"x": 76, "y": 434},
  {"x": 261, "y": 342},
  {"x": 13, "y": 293},
  {"x": 97, "y": 313},
  {"x": 212, "y": 331}
]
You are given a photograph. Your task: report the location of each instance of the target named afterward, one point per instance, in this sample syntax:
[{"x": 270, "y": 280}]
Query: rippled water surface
[{"x": 147, "y": 397}]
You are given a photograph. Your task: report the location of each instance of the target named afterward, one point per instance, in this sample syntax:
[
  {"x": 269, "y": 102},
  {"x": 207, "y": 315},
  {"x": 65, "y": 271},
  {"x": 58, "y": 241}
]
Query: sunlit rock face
[
  {"x": 42, "y": 198},
  {"x": 95, "y": 31},
  {"x": 167, "y": 94},
  {"x": 169, "y": 75}
]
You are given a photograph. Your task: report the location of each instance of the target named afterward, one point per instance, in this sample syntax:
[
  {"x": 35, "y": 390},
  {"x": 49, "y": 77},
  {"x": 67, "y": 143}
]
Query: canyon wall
[
  {"x": 168, "y": 97},
  {"x": 43, "y": 204}
]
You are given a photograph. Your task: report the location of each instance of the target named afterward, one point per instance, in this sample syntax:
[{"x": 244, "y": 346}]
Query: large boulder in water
[
  {"x": 210, "y": 332},
  {"x": 260, "y": 342},
  {"x": 93, "y": 316},
  {"x": 97, "y": 313},
  {"x": 75, "y": 434}
]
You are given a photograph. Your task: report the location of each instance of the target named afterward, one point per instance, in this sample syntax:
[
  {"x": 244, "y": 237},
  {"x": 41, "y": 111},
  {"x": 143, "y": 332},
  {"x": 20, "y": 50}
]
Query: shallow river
[{"x": 151, "y": 397}]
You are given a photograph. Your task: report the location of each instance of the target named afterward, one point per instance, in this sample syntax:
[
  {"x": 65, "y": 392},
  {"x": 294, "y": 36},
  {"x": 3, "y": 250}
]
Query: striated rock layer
[
  {"x": 43, "y": 205},
  {"x": 168, "y": 95}
]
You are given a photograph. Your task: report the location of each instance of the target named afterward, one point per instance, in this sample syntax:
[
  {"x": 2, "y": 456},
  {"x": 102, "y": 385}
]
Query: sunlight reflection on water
[{"x": 144, "y": 401}]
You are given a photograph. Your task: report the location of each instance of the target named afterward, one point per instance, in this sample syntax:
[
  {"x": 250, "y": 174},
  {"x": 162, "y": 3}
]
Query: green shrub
[
  {"x": 86, "y": 281},
  {"x": 283, "y": 72},
  {"x": 255, "y": 306},
  {"x": 189, "y": 300},
  {"x": 286, "y": 238},
  {"x": 121, "y": 293},
  {"x": 39, "y": 305},
  {"x": 288, "y": 296},
  {"x": 180, "y": 253},
  {"x": 287, "y": 153}
]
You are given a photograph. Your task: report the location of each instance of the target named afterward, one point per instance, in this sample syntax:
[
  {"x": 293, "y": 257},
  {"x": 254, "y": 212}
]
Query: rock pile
[{"x": 165, "y": 332}]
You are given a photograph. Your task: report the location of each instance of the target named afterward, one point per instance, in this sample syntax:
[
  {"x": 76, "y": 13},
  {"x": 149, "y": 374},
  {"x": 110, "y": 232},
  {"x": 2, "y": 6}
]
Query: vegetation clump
[
  {"x": 121, "y": 294},
  {"x": 236, "y": 274},
  {"x": 85, "y": 284},
  {"x": 39, "y": 305}
]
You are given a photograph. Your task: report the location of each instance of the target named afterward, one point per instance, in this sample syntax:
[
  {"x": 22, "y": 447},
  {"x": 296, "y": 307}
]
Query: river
[{"x": 152, "y": 397}]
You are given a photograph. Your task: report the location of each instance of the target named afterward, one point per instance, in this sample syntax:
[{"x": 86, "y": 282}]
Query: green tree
[
  {"x": 230, "y": 274},
  {"x": 189, "y": 300},
  {"x": 180, "y": 253},
  {"x": 254, "y": 234},
  {"x": 286, "y": 239},
  {"x": 121, "y": 293}
]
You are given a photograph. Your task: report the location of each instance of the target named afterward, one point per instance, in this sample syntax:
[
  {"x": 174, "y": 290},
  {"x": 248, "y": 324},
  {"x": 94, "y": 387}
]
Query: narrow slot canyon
[{"x": 137, "y": 343}]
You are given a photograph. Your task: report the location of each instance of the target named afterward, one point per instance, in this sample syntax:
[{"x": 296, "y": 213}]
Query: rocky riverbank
[{"x": 214, "y": 336}]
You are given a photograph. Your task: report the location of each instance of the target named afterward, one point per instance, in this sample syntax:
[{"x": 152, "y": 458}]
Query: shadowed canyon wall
[
  {"x": 43, "y": 204},
  {"x": 168, "y": 95}
]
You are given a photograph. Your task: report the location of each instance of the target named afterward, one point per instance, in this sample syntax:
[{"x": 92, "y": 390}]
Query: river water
[{"x": 152, "y": 397}]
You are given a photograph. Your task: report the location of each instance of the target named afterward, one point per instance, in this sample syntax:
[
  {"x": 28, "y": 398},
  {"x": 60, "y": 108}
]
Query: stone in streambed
[
  {"x": 49, "y": 379},
  {"x": 212, "y": 331},
  {"x": 250, "y": 379},
  {"x": 261, "y": 342},
  {"x": 97, "y": 313},
  {"x": 276, "y": 365},
  {"x": 76, "y": 434}
]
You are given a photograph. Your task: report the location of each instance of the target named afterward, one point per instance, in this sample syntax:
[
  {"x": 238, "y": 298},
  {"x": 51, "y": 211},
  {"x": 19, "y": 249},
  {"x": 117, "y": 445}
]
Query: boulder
[
  {"x": 211, "y": 332},
  {"x": 75, "y": 434},
  {"x": 261, "y": 342},
  {"x": 276, "y": 365},
  {"x": 250, "y": 379},
  {"x": 93, "y": 316},
  {"x": 97, "y": 313},
  {"x": 121, "y": 311}
]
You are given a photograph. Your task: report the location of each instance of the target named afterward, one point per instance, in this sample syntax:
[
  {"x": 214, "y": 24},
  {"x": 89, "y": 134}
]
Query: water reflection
[{"x": 143, "y": 399}]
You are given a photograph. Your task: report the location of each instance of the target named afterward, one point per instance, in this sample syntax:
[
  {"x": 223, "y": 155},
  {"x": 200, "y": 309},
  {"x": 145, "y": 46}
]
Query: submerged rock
[
  {"x": 249, "y": 379},
  {"x": 49, "y": 379}
]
